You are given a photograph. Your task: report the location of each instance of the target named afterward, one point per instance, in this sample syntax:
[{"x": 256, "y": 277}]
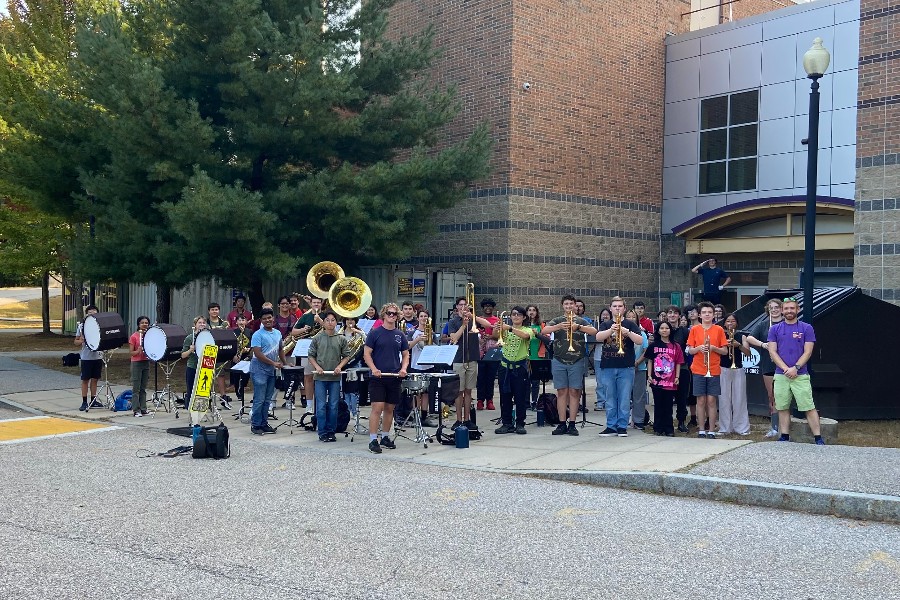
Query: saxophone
[{"x": 429, "y": 334}]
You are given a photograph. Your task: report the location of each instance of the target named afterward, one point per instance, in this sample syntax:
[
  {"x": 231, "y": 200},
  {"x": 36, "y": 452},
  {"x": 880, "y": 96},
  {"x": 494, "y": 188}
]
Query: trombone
[{"x": 470, "y": 300}]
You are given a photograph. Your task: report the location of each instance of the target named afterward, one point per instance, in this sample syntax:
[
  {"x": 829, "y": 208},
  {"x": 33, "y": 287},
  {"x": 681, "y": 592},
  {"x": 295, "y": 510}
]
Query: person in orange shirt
[{"x": 708, "y": 341}]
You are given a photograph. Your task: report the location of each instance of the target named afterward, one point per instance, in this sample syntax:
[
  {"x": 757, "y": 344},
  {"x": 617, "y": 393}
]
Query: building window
[{"x": 728, "y": 134}]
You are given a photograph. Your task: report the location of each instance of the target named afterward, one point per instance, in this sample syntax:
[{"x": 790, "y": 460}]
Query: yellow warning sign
[{"x": 206, "y": 375}]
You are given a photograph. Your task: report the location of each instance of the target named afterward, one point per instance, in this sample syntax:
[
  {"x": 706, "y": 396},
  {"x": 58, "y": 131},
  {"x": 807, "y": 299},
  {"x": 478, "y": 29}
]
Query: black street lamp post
[{"x": 815, "y": 62}]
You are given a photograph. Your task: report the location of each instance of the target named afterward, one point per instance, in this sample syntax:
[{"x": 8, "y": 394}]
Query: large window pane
[
  {"x": 714, "y": 112},
  {"x": 745, "y": 107},
  {"x": 743, "y": 141},
  {"x": 741, "y": 174},
  {"x": 714, "y": 145},
  {"x": 712, "y": 178}
]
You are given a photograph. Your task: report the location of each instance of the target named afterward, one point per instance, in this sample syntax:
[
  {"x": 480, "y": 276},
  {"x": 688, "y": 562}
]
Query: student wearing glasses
[
  {"x": 386, "y": 351},
  {"x": 513, "y": 372}
]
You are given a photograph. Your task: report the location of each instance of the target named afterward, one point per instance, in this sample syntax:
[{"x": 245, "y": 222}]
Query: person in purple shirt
[{"x": 791, "y": 345}]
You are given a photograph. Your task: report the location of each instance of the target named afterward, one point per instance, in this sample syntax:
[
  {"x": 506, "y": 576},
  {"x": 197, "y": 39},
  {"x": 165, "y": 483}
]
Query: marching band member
[
  {"x": 418, "y": 342},
  {"x": 304, "y": 328},
  {"x": 605, "y": 315},
  {"x": 140, "y": 368},
  {"x": 386, "y": 351},
  {"x": 328, "y": 352},
  {"x": 465, "y": 363},
  {"x": 568, "y": 366},
  {"x": 351, "y": 388},
  {"x": 487, "y": 369},
  {"x": 665, "y": 358},
  {"x": 408, "y": 321},
  {"x": 733, "y": 415},
  {"x": 295, "y": 305},
  {"x": 239, "y": 310},
  {"x": 639, "y": 412},
  {"x": 216, "y": 322},
  {"x": 513, "y": 372},
  {"x": 708, "y": 340},
  {"x": 538, "y": 348},
  {"x": 188, "y": 351},
  {"x": 268, "y": 355},
  {"x": 243, "y": 334},
  {"x": 617, "y": 370},
  {"x": 91, "y": 364}
]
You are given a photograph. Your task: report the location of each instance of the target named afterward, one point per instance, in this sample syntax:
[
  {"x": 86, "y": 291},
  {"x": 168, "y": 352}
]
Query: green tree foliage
[
  {"x": 30, "y": 243},
  {"x": 246, "y": 139}
]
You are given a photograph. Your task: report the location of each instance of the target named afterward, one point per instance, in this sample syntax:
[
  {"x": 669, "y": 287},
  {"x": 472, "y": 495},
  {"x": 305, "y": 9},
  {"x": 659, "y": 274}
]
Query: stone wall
[{"x": 877, "y": 234}]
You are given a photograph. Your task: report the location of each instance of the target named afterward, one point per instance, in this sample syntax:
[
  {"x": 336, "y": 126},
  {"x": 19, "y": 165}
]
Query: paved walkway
[{"x": 842, "y": 480}]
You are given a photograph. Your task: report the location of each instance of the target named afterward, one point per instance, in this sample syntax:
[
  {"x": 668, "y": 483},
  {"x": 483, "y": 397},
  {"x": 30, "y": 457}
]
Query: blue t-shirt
[
  {"x": 790, "y": 340},
  {"x": 711, "y": 279},
  {"x": 269, "y": 343},
  {"x": 386, "y": 345}
]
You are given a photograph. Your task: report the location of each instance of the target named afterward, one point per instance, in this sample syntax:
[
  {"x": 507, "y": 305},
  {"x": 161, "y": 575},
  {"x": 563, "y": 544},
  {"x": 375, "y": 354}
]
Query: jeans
[
  {"x": 601, "y": 399},
  {"x": 639, "y": 397},
  {"x": 140, "y": 372},
  {"x": 617, "y": 384},
  {"x": 263, "y": 388},
  {"x": 514, "y": 386},
  {"x": 352, "y": 402},
  {"x": 189, "y": 374},
  {"x": 328, "y": 393}
]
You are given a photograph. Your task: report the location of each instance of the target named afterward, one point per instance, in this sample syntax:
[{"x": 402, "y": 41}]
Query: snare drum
[
  {"x": 104, "y": 331},
  {"x": 223, "y": 338},
  {"x": 415, "y": 382},
  {"x": 163, "y": 341}
]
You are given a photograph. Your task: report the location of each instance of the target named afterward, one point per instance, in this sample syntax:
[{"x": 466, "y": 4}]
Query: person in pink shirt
[{"x": 140, "y": 368}]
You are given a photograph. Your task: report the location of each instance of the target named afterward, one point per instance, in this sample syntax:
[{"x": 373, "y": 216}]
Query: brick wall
[{"x": 877, "y": 234}]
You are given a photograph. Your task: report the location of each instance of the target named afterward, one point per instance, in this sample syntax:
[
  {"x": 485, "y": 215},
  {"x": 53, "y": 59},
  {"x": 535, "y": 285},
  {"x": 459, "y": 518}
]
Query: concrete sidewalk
[{"x": 839, "y": 480}]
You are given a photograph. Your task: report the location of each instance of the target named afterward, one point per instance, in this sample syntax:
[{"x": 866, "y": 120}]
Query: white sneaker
[{"x": 772, "y": 433}]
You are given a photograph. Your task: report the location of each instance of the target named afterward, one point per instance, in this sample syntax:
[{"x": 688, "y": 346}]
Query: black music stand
[
  {"x": 584, "y": 410},
  {"x": 291, "y": 422},
  {"x": 442, "y": 358}
]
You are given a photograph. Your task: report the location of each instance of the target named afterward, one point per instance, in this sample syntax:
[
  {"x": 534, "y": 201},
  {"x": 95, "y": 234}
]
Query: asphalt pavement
[{"x": 84, "y": 517}]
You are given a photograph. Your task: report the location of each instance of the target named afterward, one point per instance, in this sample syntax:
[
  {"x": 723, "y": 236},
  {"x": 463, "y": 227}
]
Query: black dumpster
[{"x": 854, "y": 356}]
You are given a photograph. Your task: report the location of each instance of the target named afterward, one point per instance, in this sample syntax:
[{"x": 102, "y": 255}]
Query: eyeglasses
[
  {"x": 391, "y": 313},
  {"x": 791, "y": 299}
]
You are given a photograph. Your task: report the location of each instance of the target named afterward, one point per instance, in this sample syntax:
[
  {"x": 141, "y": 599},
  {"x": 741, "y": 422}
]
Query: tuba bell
[
  {"x": 322, "y": 276},
  {"x": 349, "y": 296}
]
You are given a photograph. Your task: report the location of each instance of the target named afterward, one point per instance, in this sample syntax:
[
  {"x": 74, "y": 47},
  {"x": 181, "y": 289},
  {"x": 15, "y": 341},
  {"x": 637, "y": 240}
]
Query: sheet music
[
  {"x": 302, "y": 348},
  {"x": 243, "y": 366},
  {"x": 365, "y": 325},
  {"x": 437, "y": 355}
]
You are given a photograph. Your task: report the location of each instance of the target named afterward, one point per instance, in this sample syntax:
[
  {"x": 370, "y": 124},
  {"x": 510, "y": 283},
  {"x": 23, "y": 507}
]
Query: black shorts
[
  {"x": 91, "y": 369},
  {"x": 384, "y": 389}
]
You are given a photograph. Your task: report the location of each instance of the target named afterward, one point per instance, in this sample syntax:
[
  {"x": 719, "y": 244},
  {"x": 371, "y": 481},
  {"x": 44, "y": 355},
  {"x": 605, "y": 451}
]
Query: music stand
[
  {"x": 441, "y": 357},
  {"x": 291, "y": 422},
  {"x": 241, "y": 368},
  {"x": 109, "y": 398},
  {"x": 584, "y": 410}
]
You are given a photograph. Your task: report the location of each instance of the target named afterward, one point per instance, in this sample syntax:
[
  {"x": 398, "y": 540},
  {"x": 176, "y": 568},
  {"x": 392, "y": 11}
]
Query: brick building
[{"x": 577, "y": 94}]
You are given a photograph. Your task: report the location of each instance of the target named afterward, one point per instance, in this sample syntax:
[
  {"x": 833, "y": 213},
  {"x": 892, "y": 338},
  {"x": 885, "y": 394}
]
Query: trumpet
[
  {"x": 706, "y": 357},
  {"x": 470, "y": 300},
  {"x": 731, "y": 353},
  {"x": 621, "y": 350},
  {"x": 500, "y": 342},
  {"x": 570, "y": 324},
  {"x": 429, "y": 333}
]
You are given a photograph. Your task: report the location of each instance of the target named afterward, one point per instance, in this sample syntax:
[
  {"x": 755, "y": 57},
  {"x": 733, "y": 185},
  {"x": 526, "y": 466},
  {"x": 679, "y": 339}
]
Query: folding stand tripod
[
  {"x": 540, "y": 371},
  {"x": 166, "y": 397},
  {"x": 109, "y": 398},
  {"x": 415, "y": 415},
  {"x": 584, "y": 410},
  {"x": 291, "y": 422}
]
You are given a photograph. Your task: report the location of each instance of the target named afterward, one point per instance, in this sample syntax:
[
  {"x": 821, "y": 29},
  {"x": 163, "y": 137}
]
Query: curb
[
  {"x": 838, "y": 503},
  {"x": 17, "y": 406}
]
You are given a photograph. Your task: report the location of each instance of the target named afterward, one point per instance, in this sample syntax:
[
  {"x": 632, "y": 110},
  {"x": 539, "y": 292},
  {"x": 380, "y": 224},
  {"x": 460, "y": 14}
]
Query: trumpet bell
[
  {"x": 322, "y": 276},
  {"x": 349, "y": 297}
]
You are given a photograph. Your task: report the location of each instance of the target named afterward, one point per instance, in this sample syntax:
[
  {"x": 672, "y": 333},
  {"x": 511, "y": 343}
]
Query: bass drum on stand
[
  {"x": 104, "y": 331},
  {"x": 163, "y": 341},
  {"x": 223, "y": 338}
]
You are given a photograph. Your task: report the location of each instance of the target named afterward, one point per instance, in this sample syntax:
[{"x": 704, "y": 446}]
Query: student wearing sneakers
[
  {"x": 707, "y": 343},
  {"x": 665, "y": 358},
  {"x": 328, "y": 352},
  {"x": 91, "y": 364},
  {"x": 140, "y": 368},
  {"x": 268, "y": 355},
  {"x": 386, "y": 351},
  {"x": 513, "y": 372},
  {"x": 617, "y": 370},
  {"x": 791, "y": 344},
  {"x": 568, "y": 366}
]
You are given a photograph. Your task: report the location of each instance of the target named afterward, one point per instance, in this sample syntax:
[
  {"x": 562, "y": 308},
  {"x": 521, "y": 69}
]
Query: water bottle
[
  {"x": 195, "y": 433},
  {"x": 540, "y": 413},
  {"x": 462, "y": 436}
]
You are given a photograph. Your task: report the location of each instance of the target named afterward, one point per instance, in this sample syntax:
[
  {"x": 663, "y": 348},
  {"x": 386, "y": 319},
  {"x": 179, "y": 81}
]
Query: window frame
[{"x": 728, "y": 128}]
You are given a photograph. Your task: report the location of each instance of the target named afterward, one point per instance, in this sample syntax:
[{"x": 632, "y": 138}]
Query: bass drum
[
  {"x": 163, "y": 341},
  {"x": 104, "y": 331},
  {"x": 223, "y": 338}
]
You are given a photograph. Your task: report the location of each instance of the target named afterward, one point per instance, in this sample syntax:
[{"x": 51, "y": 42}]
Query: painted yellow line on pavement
[{"x": 28, "y": 428}]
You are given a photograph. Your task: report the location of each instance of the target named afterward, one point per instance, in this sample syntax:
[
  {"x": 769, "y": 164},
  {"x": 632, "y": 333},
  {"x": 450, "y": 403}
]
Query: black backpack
[
  {"x": 547, "y": 401},
  {"x": 343, "y": 419},
  {"x": 213, "y": 442}
]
